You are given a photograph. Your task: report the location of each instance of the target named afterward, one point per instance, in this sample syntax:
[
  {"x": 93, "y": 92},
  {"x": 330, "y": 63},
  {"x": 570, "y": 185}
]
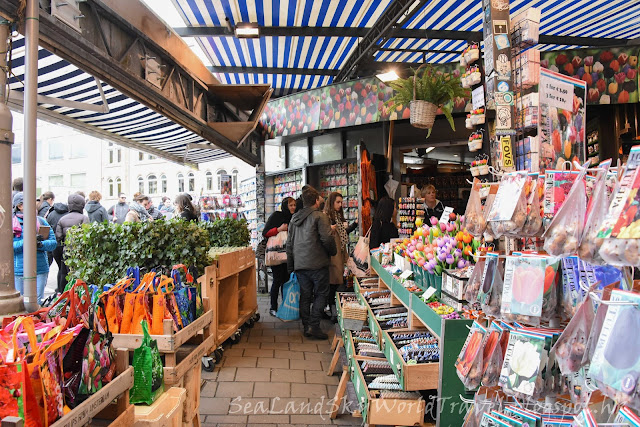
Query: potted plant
[{"x": 426, "y": 94}]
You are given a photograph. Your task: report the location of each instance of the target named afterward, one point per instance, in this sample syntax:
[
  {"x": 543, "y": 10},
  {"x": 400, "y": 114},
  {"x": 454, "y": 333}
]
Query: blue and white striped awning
[
  {"x": 126, "y": 118},
  {"x": 584, "y": 18}
]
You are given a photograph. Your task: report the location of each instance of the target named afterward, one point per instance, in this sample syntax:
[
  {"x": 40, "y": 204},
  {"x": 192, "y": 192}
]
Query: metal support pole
[
  {"x": 32, "y": 28},
  {"x": 10, "y": 299}
]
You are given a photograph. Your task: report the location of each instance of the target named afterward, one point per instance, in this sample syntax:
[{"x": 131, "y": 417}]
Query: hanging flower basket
[{"x": 423, "y": 114}]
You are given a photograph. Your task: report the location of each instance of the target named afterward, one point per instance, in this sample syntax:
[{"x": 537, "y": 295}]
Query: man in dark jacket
[
  {"x": 73, "y": 218},
  {"x": 119, "y": 211},
  {"x": 310, "y": 246},
  {"x": 299, "y": 202},
  {"x": 57, "y": 211}
]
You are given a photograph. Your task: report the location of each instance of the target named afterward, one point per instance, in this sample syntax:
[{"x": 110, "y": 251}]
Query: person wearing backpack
[{"x": 73, "y": 218}]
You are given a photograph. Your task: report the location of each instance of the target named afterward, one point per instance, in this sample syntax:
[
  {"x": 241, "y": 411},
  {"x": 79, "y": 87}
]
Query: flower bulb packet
[
  {"x": 511, "y": 421},
  {"x": 597, "y": 209},
  {"x": 615, "y": 365},
  {"x": 508, "y": 211},
  {"x": 627, "y": 417},
  {"x": 529, "y": 418},
  {"x": 557, "y": 185},
  {"x": 469, "y": 362},
  {"x": 489, "y": 420},
  {"x": 572, "y": 344},
  {"x": 523, "y": 288},
  {"x": 488, "y": 274},
  {"x": 521, "y": 366},
  {"x": 492, "y": 356}
]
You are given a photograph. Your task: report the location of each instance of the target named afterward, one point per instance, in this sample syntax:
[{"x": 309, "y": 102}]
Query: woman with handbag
[
  {"x": 278, "y": 223},
  {"x": 382, "y": 228},
  {"x": 340, "y": 231}
]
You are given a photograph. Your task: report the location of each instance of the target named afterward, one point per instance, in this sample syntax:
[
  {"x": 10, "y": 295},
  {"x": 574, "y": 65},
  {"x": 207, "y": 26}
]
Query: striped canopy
[
  {"x": 126, "y": 118},
  {"x": 593, "y": 18}
]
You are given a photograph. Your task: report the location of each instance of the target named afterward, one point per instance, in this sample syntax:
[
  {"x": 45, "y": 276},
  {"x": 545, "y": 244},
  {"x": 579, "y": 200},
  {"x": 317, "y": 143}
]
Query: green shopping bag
[{"x": 148, "y": 374}]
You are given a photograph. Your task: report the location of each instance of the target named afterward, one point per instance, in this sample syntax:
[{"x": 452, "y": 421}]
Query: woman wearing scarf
[
  {"x": 333, "y": 209},
  {"x": 44, "y": 245},
  {"x": 277, "y": 222},
  {"x": 138, "y": 210}
]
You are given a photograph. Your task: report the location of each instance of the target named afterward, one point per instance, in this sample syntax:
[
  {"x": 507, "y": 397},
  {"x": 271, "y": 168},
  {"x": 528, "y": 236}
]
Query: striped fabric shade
[
  {"x": 126, "y": 118},
  {"x": 593, "y": 18}
]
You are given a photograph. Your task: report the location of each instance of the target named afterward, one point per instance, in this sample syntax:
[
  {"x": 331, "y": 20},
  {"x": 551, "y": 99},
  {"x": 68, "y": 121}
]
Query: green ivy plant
[
  {"x": 100, "y": 253},
  {"x": 433, "y": 86}
]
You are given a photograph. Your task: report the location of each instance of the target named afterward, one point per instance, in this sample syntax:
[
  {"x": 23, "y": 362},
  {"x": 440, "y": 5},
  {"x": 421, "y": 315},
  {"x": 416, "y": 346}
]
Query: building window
[
  {"x": 16, "y": 153},
  {"x": 140, "y": 184},
  {"x": 56, "y": 150},
  {"x": 180, "y": 183},
  {"x": 153, "y": 184},
  {"x": 140, "y": 156},
  {"x": 151, "y": 157},
  {"x": 110, "y": 187},
  {"x": 163, "y": 183},
  {"x": 79, "y": 150},
  {"x": 234, "y": 181},
  {"x": 209, "y": 178},
  {"x": 192, "y": 181},
  {"x": 119, "y": 186},
  {"x": 119, "y": 155},
  {"x": 56, "y": 181},
  {"x": 110, "y": 157},
  {"x": 40, "y": 150},
  {"x": 219, "y": 177},
  {"x": 78, "y": 181}
]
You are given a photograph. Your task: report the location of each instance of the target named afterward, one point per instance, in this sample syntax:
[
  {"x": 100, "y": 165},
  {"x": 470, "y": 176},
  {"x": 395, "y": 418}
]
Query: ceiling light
[
  {"x": 456, "y": 155},
  {"x": 388, "y": 76},
  {"x": 429, "y": 149},
  {"x": 247, "y": 30}
]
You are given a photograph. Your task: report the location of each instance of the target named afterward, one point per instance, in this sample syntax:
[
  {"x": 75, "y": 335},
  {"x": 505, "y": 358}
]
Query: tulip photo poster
[
  {"x": 521, "y": 365},
  {"x": 561, "y": 126}
]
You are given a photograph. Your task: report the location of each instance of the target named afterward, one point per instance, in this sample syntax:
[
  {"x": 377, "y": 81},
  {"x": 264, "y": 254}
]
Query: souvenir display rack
[
  {"x": 280, "y": 185},
  {"x": 220, "y": 206},
  {"x": 409, "y": 210},
  {"x": 249, "y": 199}
]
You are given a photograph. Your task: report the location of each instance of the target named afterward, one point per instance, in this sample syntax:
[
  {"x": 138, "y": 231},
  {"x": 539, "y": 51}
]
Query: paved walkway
[{"x": 273, "y": 376}]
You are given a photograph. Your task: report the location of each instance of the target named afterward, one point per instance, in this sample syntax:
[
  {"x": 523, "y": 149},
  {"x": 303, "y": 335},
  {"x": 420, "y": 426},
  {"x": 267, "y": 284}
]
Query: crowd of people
[
  {"x": 54, "y": 219},
  {"x": 317, "y": 250}
]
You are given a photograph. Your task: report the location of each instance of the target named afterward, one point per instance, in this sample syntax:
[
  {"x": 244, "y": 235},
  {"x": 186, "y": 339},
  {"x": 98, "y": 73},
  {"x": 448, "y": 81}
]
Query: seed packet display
[
  {"x": 489, "y": 420},
  {"x": 616, "y": 361},
  {"x": 621, "y": 228},
  {"x": 528, "y": 418},
  {"x": 514, "y": 422},
  {"x": 523, "y": 288},
  {"x": 627, "y": 417},
  {"x": 469, "y": 363},
  {"x": 521, "y": 365}
]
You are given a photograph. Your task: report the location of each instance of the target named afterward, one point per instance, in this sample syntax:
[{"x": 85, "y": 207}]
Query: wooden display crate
[
  {"x": 396, "y": 412},
  {"x": 187, "y": 356},
  {"x": 164, "y": 412},
  {"x": 422, "y": 376},
  {"x": 230, "y": 286},
  {"x": 190, "y": 382},
  {"x": 100, "y": 404}
]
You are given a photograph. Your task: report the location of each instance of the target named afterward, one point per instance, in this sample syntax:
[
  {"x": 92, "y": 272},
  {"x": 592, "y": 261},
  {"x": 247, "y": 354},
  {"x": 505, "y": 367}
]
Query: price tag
[
  {"x": 445, "y": 215},
  {"x": 428, "y": 293},
  {"x": 405, "y": 274}
]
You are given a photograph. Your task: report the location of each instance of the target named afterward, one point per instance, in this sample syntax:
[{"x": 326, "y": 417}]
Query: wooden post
[
  {"x": 12, "y": 422},
  {"x": 335, "y": 358},
  {"x": 390, "y": 147},
  {"x": 342, "y": 387},
  {"x": 122, "y": 363}
]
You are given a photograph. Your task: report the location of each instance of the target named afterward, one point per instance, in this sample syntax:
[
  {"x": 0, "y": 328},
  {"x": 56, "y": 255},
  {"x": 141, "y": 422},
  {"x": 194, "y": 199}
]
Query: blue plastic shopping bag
[{"x": 290, "y": 306}]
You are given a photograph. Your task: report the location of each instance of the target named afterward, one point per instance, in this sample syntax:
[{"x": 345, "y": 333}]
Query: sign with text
[
  {"x": 507, "y": 152},
  {"x": 477, "y": 96},
  {"x": 556, "y": 92}
]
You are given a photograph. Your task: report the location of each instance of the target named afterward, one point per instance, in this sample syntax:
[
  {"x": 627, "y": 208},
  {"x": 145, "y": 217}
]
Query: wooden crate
[
  {"x": 421, "y": 376},
  {"x": 100, "y": 405},
  {"x": 187, "y": 356},
  {"x": 165, "y": 412},
  {"x": 232, "y": 262},
  {"x": 191, "y": 383}
]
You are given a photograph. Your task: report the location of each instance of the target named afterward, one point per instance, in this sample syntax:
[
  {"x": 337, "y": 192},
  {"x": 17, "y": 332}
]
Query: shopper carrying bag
[
  {"x": 276, "y": 233},
  {"x": 359, "y": 261}
]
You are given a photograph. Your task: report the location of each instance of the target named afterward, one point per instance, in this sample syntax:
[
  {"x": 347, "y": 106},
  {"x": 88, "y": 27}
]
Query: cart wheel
[
  {"x": 208, "y": 363},
  {"x": 257, "y": 317},
  {"x": 249, "y": 323},
  {"x": 217, "y": 355},
  {"x": 235, "y": 339}
]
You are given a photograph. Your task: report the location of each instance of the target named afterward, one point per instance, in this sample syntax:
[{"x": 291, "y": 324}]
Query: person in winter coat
[
  {"x": 185, "y": 208},
  {"x": 118, "y": 212},
  {"x": 340, "y": 231},
  {"x": 310, "y": 247},
  {"x": 138, "y": 210},
  {"x": 44, "y": 245},
  {"x": 299, "y": 203},
  {"x": 95, "y": 211},
  {"x": 167, "y": 208},
  {"x": 57, "y": 211},
  {"x": 277, "y": 222},
  {"x": 382, "y": 227},
  {"x": 153, "y": 212},
  {"x": 45, "y": 203},
  {"x": 73, "y": 218}
]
